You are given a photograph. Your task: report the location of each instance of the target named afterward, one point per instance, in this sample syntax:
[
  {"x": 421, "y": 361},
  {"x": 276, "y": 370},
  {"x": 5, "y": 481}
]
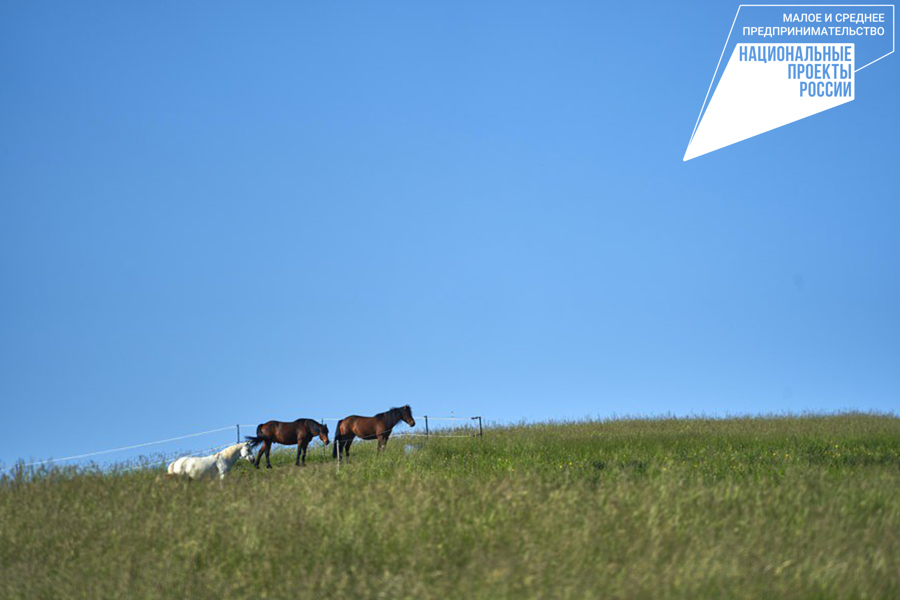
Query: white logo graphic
[{"x": 812, "y": 68}]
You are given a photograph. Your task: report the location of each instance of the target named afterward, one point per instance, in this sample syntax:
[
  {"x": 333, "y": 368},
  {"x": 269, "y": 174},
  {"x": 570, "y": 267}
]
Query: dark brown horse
[
  {"x": 368, "y": 428},
  {"x": 299, "y": 432}
]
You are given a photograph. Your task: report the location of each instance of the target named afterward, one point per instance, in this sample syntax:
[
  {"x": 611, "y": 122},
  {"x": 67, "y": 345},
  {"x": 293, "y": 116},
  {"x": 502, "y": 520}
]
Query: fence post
[
  {"x": 339, "y": 457},
  {"x": 480, "y": 428},
  {"x": 426, "y": 425},
  {"x": 238, "y": 432}
]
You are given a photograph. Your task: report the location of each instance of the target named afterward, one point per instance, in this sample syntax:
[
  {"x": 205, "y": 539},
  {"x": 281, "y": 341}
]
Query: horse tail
[
  {"x": 337, "y": 439},
  {"x": 259, "y": 438},
  {"x": 254, "y": 440}
]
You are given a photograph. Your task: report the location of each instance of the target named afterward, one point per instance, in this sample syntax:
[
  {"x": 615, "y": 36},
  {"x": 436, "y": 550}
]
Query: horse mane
[
  {"x": 396, "y": 411},
  {"x": 230, "y": 450}
]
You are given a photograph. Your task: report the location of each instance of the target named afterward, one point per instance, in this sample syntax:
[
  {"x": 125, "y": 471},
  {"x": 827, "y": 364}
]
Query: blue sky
[{"x": 216, "y": 214}]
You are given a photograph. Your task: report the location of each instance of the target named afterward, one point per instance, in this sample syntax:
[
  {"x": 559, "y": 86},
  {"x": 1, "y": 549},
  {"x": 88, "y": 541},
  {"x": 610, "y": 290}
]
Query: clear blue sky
[{"x": 218, "y": 213}]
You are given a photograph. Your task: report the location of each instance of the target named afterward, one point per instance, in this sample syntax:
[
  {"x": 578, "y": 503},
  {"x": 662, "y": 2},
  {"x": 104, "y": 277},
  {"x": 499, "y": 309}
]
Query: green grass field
[{"x": 805, "y": 507}]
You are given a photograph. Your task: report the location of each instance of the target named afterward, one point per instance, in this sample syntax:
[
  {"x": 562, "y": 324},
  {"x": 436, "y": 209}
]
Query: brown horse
[
  {"x": 299, "y": 432},
  {"x": 367, "y": 428}
]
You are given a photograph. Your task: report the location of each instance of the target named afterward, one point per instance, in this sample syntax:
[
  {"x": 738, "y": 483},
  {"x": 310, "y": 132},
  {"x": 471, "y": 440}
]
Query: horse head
[
  {"x": 323, "y": 433},
  {"x": 247, "y": 452},
  {"x": 406, "y": 415}
]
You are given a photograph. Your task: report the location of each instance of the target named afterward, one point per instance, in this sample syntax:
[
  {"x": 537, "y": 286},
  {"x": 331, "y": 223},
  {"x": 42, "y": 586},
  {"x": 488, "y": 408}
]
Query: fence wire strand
[
  {"x": 122, "y": 449},
  {"x": 215, "y": 449},
  {"x": 170, "y": 456}
]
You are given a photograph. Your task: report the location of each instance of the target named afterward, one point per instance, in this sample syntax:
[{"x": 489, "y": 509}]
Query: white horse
[{"x": 197, "y": 467}]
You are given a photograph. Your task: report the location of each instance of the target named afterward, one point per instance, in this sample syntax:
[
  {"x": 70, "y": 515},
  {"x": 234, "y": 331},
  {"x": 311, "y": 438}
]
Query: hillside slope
[{"x": 736, "y": 508}]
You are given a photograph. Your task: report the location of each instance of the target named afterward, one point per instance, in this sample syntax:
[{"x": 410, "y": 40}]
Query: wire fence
[
  {"x": 115, "y": 450},
  {"x": 159, "y": 459}
]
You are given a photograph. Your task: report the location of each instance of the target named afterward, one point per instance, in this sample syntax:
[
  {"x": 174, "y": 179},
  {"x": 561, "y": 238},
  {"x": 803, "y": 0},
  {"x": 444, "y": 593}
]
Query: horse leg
[
  {"x": 342, "y": 445},
  {"x": 347, "y": 448},
  {"x": 304, "y": 444},
  {"x": 259, "y": 455},
  {"x": 299, "y": 450},
  {"x": 268, "y": 451}
]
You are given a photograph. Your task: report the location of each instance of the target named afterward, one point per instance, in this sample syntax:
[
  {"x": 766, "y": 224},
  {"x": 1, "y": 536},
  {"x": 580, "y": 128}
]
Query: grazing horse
[
  {"x": 298, "y": 432},
  {"x": 197, "y": 467},
  {"x": 366, "y": 428}
]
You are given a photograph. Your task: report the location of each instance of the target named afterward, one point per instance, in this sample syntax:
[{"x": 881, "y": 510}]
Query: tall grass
[{"x": 666, "y": 508}]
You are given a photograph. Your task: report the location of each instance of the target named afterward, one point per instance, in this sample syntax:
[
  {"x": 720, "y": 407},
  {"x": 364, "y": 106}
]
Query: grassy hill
[{"x": 669, "y": 508}]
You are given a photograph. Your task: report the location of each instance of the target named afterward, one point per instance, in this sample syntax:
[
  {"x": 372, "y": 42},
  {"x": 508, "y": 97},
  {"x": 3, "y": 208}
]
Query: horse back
[
  {"x": 364, "y": 427},
  {"x": 283, "y": 432}
]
